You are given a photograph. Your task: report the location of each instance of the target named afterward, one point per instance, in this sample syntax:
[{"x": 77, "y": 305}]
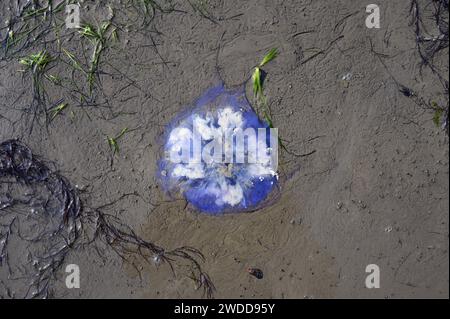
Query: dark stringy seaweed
[
  {"x": 42, "y": 219},
  {"x": 430, "y": 22},
  {"x": 37, "y": 201}
]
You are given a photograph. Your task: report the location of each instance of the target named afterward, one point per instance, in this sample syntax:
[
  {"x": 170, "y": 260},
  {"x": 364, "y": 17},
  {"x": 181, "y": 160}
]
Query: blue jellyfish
[{"x": 219, "y": 155}]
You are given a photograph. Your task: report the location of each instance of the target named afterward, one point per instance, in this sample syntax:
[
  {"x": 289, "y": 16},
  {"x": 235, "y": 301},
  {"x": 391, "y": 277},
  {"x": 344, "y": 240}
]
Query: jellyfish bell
[{"x": 219, "y": 155}]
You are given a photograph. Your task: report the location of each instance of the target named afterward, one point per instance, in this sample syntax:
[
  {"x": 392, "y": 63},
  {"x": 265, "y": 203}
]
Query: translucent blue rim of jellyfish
[{"x": 214, "y": 187}]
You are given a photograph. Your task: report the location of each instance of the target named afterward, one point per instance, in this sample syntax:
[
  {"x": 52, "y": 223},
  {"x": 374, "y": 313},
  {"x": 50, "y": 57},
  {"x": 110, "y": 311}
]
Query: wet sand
[{"x": 375, "y": 191}]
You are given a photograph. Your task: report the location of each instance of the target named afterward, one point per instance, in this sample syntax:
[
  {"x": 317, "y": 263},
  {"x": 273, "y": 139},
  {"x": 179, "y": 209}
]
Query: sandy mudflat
[{"x": 374, "y": 192}]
